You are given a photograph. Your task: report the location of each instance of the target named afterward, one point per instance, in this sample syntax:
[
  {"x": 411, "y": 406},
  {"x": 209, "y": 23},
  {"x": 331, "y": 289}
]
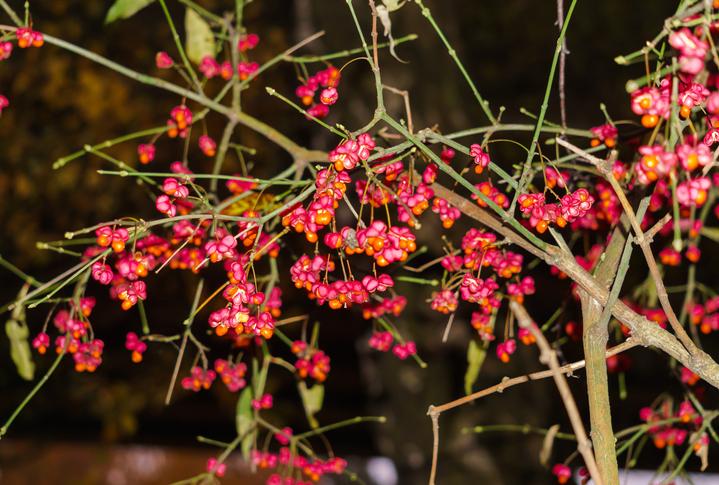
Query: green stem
[
  {"x": 143, "y": 317},
  {"x": 222, "y": 152},
  {"x": 180, "y": 49},
  {"x": 519, "y": 127},
  {"x": 269, "y": 182},
  {"x": 19, "y": 273},
  {"x": 340, "y": 424},
  {"x": 345, "y": 53},
  {"x": 185, "y": 336},
  {"x": 32, "y": 393},
  {"x": 273, "y": 92},
  {"x": 453, "y": 54},
  {"x": 543, "y": 110},
  {"x": 11, "y": 13},
  {"x": 419, "y": 281},
  {"x": 519, "y": 428},
  {"x": 200, "y": 10}
]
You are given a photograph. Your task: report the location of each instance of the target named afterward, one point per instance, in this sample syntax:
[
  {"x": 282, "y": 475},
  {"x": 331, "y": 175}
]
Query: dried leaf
[
  {"x": 546, "y": 452},
  {"x": 383, "y": 14},
  {"x": 123, "y": 9},
  {"x": 200, "y": 41},
  {"x": 475, "y": 358},
  {"x": 18, "y": 334}
]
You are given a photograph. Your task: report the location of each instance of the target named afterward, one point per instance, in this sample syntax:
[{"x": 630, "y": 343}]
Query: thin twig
[
  {"x": 183, "y": 345},
  {"x": 507, "y": 382}
]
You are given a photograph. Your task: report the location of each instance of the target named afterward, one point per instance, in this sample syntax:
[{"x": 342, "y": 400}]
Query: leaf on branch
[
  {"x": 312, "y": 399},
  {"x": 546, "y": 452},
  {"x": 200, "y": 41},
  {"x": 383, "y": 12},
  {"x": 123, "y": 9},
  {"x": 475, "y": 358},
  {"x": 393, "y": 5},
  {"x": 18, "y": 333},
  {"x": 710, "y": 232},
  {"x": 244, "y": 420}
]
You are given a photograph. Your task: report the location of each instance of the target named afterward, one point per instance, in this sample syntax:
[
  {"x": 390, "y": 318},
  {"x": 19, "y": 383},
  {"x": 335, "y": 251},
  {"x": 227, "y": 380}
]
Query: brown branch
[
  {"x": 534, "y": 376},
  {"x": 548, "y": 356},
  {"x": 644, "y": 243},
  {"x": 594, "y": 339},
  {"x": 434, "y": 411},
  {"x": 407, "y": 106},
  {"x": 375, "y": 54},
  {"x": 434, "y": 416},
  {"x": 645, "y": 332},
  {"x": 649, "y": 235}
]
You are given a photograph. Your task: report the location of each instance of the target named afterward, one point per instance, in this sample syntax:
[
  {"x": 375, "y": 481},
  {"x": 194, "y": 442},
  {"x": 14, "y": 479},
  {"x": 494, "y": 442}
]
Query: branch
[
  {"x": 549, "y": 356},
  {"x": 643, "y": 242},
  {"x": 644, "y": 331}
]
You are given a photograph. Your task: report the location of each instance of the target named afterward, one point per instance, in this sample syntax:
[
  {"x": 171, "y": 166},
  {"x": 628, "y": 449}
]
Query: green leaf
[
  {"x": 244, "y": 420},
  {"x": 200, "y": 41},
  {"x": 475, "y": 358},
  {"x": 710, "y": 232},
  {"x": 393, "y": 5},
  {"x": 312, "y": 400},
  {"x": 123, "y": 9},
  {"x": 20, "y": 348}
]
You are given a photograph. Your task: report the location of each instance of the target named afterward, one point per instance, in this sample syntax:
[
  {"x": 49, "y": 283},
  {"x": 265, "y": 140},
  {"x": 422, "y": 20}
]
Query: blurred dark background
[{"x": 59, "y": 102}]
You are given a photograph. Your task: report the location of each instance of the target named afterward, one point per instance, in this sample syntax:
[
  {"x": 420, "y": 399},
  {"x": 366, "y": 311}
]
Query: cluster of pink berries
[
  {"x": 198, "y": 379},
  {"x": 311, "y": 274},
  {"x": 653, "y": 103},
  {"x": 562, "y": 472},
  {"x": 216, "y": 468},
  {"x": 26, "y": 37},
  {"x": 313, "y": 469},
  {"x": 328, "y": 79},
  {"x": 389, "y": 305},
  {"x": 705, "y": 316},
  {"x": 74, "y": 336},
  {"x": 210, "y": 67},
  {"x": 179, "y": 122},
  {"x": 572, "y": 206},
  {"x": 492, "y": 193},
  {"x": 232, "y": 375},
  {"x": 173, "y": 190},
  {"x": 244, "y": 312},
  {"x": 606, "y": 133},
  {"x": 311, "y": 362},
  {"x": 265, "y": 401},
  {"x": 136, "y": 346},
  {"x": 384, "y": 341},
  {"x": 348, "y": 154},
  {"x": 331, "y": 187},
  {"x": 669, "y": 434}
]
